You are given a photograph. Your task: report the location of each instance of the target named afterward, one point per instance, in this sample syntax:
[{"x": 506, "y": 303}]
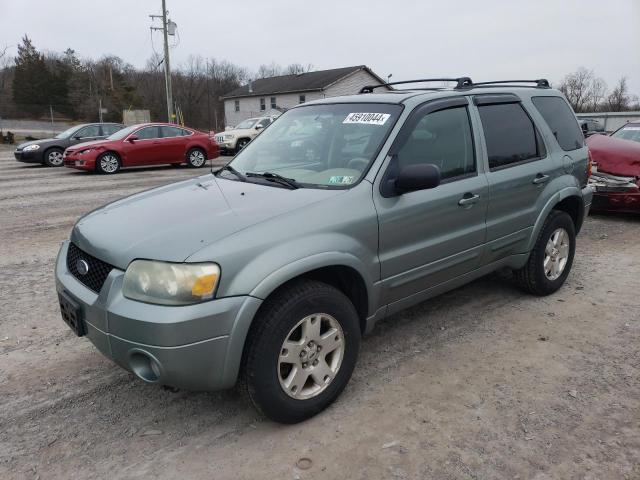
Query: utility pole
[{"x": 167, "y": 65}]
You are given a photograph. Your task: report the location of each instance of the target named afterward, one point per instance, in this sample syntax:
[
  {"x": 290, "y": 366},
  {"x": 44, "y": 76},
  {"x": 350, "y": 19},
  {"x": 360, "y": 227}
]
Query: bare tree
[
  {"x": 619, "y": 99},
  {"x": 577, "y": 87}
]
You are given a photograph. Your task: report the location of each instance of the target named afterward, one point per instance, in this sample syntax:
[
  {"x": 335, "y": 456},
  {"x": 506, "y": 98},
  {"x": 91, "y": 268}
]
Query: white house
[{"x": 274, "y": 95}]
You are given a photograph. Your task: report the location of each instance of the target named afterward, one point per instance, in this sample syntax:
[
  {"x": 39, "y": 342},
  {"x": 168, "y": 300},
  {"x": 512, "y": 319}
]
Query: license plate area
[{"x": 72, "y": 314}]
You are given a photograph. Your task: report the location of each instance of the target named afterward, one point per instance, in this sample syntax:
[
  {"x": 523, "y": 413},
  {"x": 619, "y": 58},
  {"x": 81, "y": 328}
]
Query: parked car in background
[
  {"x": 629, "y": 131},
  {"x": 49, "y": 150},
  {"x": 234, "y": 140},
  {"x": 344, "y": 211},
  {"x": 616, "y": 169},
  {"x": 590, "y": 126},
  {"x": 142, "y": 145}
]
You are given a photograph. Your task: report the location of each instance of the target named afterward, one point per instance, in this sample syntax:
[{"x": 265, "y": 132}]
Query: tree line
[
  {"x": 36, "y": 84},
  {"x": 587, "y": 92}
]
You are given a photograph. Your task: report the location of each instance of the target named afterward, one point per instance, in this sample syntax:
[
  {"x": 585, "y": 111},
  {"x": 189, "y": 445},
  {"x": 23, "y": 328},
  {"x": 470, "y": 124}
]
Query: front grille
[{"x": 97, "y": 272}]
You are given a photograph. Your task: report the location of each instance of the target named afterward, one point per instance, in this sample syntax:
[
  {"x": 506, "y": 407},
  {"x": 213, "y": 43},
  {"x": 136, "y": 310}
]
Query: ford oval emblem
[{"x": 82, "y": 266}]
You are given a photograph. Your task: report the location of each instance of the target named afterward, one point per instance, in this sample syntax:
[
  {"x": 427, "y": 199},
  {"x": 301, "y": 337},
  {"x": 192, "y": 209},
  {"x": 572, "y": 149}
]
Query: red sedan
[
  {"x": 616, "y": 175},
  {"x": 143, "y": 145}
]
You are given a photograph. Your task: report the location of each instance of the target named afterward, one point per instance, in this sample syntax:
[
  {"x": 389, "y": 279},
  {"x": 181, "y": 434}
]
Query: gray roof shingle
[{"x": 303, "y": 82}]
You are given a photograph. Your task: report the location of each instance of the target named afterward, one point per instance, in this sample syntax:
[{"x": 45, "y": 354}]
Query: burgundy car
[
  {"x": 142, "y": 145},
  {"x": 616, "y": 170}
]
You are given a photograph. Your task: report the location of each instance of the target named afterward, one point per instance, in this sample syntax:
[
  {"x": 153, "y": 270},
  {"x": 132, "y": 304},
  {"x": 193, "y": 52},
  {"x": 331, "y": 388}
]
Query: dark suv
[
  {"x": 49, "y": 150},
  {"x": 341, "y": 212}
]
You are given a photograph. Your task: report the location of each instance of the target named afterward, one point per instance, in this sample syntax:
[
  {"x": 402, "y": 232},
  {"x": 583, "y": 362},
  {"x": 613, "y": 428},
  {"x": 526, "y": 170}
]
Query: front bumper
[
  {"x": 29, "y": 156},
  {"x": 78, "y": 161},
  {"x": 195, "y": 347}
]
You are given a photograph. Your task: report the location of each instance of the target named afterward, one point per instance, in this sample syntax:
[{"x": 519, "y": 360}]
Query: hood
[
  {"x": 171, "y": 223},
  {"x": 35, "y": 142},
  {"x": 93, "y": 143},
  {"x": 239, "y": 131},
  {"x": 615, "y": 155}
]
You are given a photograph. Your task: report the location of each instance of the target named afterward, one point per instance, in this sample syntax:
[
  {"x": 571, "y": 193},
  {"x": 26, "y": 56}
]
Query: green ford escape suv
[{"x": 341, "y": 212}]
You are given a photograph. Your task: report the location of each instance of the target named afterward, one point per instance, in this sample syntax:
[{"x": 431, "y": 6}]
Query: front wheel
[
  {"x": 196, "y": 157},
  {"x": 301, "y": 351},
  {"x": 241, "y": 144},
  {"x": 108, "y": 163},
  {"x": 551, "y": 259},
  {"x": 53, "y": 157}
]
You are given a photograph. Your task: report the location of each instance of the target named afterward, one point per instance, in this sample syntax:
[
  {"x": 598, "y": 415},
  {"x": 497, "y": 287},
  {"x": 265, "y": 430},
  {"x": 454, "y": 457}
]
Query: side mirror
[
  {"x": 417, "y": 177},
  {"x": 259, "y": 127},
  {"x": 132, "y": 138}
]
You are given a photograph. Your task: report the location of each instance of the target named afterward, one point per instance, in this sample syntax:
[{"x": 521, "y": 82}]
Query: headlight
[
  {"x": 170, "y": 283},
  {"x": 87, "y": 150},
  {"x": 228, "y": 137},
  {"x": 30, "y": 148}
]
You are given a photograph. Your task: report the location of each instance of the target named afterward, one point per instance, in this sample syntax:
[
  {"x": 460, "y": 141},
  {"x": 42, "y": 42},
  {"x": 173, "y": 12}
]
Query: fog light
[
  {"x": 79, "y": 163},
  {"x": 145, "y": 366}
]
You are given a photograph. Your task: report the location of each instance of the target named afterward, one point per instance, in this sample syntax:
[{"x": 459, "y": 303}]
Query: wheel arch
[{"x": 568, "y": 200}]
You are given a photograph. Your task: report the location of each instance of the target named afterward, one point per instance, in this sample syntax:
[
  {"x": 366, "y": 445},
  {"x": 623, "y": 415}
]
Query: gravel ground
[{"x": 483, "y": 382}]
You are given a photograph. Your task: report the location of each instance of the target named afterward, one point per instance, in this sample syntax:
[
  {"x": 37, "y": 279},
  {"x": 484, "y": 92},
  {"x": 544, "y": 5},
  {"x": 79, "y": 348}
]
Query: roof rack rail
[
  {"x": 540, "y": 83},
  {"x": 461, "y": 82}
]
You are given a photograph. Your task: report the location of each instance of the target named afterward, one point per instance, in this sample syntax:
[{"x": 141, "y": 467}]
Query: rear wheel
[
  {"x": 196, "y": 157},
  {"x": 551, "y": 259},
  {"x": 53, "y": 157},
  {"x": 301, "y": 351},
  {"x": 108, "y": 163}
]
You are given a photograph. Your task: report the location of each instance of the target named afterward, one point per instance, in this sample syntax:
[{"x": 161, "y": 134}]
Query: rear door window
[
  {"x": 562, "y": 122},
  {"x": 510, "y": 135},
  {"x": 172, "y": 132}
]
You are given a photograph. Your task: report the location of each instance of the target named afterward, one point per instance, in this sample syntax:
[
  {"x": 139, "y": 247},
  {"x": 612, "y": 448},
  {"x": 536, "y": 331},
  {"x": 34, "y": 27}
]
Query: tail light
[{"x": 590, "y": 165}]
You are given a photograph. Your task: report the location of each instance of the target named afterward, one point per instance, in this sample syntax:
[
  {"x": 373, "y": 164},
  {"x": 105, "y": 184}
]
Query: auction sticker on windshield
[{"x": 367, "y": 118}]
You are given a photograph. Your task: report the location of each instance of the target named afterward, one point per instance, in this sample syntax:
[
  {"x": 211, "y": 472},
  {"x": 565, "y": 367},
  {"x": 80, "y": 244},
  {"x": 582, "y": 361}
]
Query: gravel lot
[{"x": 484, "y": 382}]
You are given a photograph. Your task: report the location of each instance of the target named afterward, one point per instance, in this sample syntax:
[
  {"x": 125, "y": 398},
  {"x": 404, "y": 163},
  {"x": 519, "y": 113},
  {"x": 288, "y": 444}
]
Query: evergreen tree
[{"x": 31, "y": 79}]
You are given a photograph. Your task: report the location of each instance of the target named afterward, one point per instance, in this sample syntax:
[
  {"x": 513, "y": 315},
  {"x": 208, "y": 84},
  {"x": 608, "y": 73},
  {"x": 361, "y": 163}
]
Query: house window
[
  {"x": 237, "y": 105},
  {"x": 262, "y": 104},
  {"x": 273, "y": 102},
  {"x": 303, "y": 98}
]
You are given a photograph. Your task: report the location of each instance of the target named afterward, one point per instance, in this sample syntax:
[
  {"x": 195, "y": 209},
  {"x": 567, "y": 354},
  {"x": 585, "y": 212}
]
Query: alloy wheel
[
  {"x": 196, "y": 158},
  {"x": 109, "y": 163},
  {"x": 556, "y": 253},
  {"x": 311, "y": 356},
  {"x": 55, "y": 158}
]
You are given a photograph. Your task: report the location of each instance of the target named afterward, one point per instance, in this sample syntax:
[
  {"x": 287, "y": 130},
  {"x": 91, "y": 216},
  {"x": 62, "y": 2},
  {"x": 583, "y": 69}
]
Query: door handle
[
  {"x": 541, "y": 178},
  {"x": 468, "y": 200}
]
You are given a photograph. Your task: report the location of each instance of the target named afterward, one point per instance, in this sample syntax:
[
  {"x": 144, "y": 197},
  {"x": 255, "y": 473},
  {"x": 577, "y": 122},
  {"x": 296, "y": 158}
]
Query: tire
[
  {"x": 241, "y": 143},
  {"x": 53, "y": 157},
  {"x": 545, "y": 271},
  {"x": 268, "y": 374},
  {"x": 196, "y": 158},
  {"x": 108, "y": 163}
]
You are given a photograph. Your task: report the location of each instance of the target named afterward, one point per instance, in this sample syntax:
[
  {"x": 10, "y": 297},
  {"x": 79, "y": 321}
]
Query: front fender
[{"x": 314, "y": 262}]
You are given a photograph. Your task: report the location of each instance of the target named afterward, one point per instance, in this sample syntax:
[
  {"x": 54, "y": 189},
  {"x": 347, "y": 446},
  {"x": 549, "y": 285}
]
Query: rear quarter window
[{"x": 561, "y": 120}]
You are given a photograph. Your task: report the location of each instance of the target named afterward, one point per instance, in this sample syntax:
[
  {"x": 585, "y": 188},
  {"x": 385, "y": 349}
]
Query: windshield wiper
[
  {"x": 274, "y": 177},
  {"x": 229, "y": 168}
]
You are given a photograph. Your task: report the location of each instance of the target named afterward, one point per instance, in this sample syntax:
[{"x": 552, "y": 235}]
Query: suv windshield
[
  {"x": 629, "y": 132},
  {"x": 67, "y": 133},
  {"x": 247, "y": 124},
  {"x": 326, "y": 145}
]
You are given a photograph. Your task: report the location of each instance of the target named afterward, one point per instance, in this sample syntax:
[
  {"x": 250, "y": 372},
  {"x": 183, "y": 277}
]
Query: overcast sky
[{"x": 487, "y": 39}]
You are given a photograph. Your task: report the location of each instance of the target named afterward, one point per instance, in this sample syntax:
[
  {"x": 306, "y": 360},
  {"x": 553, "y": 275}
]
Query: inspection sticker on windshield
[
  {"x": 367, "y": 118},
  {"x": 343, "y": 180}
]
